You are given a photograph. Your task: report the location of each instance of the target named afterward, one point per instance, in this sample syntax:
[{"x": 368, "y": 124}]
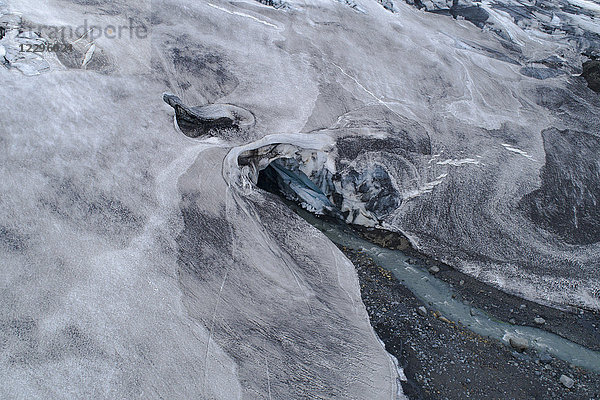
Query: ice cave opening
[{"x": 284, "y": 177}]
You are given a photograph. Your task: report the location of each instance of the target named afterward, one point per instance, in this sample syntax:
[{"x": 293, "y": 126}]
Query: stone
[
  {"x": 422, "y": 311},
  {"x": 461, "y": 282},
  {"x": 545, "y": 358},
  {"x": 539, "y": 321},
  {"x": 567, "y": 381},
  {"x": 521, "y": 356},
  {"x": 434, "y": 270},
  {"x": 512, "y": 321},
  {"x": 518, "y": 343}
]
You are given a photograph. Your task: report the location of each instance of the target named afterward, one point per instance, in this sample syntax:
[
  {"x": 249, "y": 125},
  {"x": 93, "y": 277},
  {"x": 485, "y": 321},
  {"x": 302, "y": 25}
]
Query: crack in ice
[
  {"x": 244, "y": 15},
  {"x": 458, "y": 162},
  {"x": 518, "y": 151},
  {"x": 383, "y": 103}
]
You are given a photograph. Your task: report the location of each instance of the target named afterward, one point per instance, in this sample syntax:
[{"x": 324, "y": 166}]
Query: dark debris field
[{"x": 444, "y": 360}]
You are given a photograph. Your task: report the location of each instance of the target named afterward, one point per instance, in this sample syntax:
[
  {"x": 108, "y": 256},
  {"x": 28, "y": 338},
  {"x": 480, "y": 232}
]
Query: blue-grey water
[{"x": 438, "y": 295}]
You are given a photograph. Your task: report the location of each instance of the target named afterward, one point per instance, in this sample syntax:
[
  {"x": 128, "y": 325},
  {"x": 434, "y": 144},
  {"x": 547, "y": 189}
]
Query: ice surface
[
  {"x": 116, "y": 280},
  {"x": 140, "y": 263}
]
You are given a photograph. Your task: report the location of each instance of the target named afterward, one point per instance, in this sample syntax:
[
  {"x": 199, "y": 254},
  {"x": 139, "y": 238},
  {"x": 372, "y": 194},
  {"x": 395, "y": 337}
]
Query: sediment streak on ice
[{"x": 116, "y": 234}]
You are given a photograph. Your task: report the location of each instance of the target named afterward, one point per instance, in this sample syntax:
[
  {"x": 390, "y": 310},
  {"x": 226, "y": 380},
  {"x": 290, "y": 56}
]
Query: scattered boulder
[
  {"x": 434, "y": 270},
  {"x": 387, "y": 239},
  {"x": 422, "y": 311},
  {"x": 539, "y": 320},
  {"x": 545, "y": 358},
  {"x": 521, "y": 356},
  {"x": 518, "y": 343},
  {"x": 567, "y": 381}
]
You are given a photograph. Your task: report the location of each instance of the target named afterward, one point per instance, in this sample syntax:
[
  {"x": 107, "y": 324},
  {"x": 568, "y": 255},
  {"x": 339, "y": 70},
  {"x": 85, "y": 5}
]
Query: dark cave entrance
[{"x": 284, "y": 178}]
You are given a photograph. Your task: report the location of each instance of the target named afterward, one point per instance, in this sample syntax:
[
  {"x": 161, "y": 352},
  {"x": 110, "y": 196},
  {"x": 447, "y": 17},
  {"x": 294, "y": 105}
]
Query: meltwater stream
[
  {"x": 438, "y": 294},
  {"x": 297, "y": 188}
]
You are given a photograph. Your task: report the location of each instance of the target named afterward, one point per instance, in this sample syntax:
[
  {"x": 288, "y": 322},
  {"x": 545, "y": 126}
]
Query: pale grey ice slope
[{"x": 140, "y": 263}]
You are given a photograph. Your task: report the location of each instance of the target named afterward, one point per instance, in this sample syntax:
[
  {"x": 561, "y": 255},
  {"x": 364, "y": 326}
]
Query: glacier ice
[{"x": 142, "y": 263}]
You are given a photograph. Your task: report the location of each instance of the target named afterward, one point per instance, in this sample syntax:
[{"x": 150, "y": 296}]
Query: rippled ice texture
[{"x": 130, "y": 269}]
